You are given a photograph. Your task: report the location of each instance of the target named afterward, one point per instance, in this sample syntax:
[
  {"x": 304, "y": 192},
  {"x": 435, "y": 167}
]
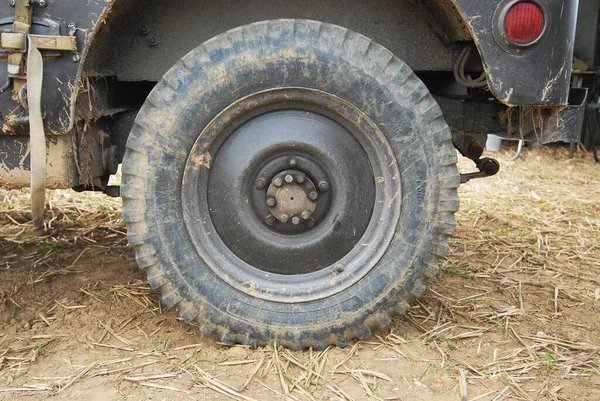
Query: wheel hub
[{"x": 292, "y": 198}]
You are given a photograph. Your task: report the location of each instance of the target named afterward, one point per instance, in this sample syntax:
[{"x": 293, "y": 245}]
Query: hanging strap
[{"x": 37, "y": 136}]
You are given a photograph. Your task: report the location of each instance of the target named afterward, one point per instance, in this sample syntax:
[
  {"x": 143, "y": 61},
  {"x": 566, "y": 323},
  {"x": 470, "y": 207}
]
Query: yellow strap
[
  {"x": 16, "y": 41},
  {"x": 23, "y": 15},
  {"x": 37, "y": 136},
  {"x": 21, "y": 27},
  {"x": 13, "y": 40},
  {"x": 44, "y": 42}
]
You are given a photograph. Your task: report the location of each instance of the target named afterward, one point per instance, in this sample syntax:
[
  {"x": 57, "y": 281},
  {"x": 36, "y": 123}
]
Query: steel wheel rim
[{"x": 327, "y": 281}]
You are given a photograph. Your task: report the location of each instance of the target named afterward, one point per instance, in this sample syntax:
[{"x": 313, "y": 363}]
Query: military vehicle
[{"x": 288, "y": 167}]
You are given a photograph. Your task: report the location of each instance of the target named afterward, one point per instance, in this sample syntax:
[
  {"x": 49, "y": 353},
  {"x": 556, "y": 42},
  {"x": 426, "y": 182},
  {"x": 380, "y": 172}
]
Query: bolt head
[
  {"x": 284, "y": 218},
  {"x": 289, "y": 179},
  {"x": 305, "y": 215},
  {"x": 278, "y": 182},
  {"x": 271, "y": 220},
  {"x": 300, "y": 179},
  {"x": 310, "y": 222},
  {"x": 261, "y": 183},
  {"x": 293, "y": 162},
  {"x": 271, "y": 202},
  {"x": 295, "y": 221},
  {"x": 313, "y": 196},
  {"x": 323, "y": 186}
]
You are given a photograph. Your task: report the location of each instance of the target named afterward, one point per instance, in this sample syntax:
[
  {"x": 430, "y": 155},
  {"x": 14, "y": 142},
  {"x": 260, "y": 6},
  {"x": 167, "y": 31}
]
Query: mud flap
[{"x": 567, "y": 124}]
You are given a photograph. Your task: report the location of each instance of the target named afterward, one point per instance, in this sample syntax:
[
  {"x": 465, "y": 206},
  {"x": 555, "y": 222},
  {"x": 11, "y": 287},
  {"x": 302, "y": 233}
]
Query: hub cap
[{"x": 292, "y": 198}]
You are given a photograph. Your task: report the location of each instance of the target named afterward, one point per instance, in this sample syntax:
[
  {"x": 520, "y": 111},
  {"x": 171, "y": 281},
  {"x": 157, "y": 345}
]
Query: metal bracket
[
  {"x": 487, "y": 167},
  {"x": 472, "y": 149}
]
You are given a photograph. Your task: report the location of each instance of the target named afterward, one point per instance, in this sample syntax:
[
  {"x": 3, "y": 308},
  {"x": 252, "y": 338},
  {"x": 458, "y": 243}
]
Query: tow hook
[
  {"x": 473, "y": 150},
  {"x": 487, "y": 167}
]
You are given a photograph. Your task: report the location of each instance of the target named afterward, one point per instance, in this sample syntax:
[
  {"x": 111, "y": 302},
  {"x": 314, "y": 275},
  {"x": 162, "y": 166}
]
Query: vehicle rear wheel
[{"x": 290, "y": 181}]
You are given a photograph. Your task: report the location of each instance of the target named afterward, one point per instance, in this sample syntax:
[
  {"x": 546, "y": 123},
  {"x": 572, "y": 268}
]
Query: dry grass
[{"x": 514, "y": 314}]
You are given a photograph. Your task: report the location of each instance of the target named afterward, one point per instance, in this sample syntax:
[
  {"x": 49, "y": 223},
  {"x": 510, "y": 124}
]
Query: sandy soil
[{"x": 514, "y": 313}]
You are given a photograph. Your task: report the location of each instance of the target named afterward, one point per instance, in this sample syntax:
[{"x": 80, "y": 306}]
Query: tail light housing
[{"x": 524, "y": 23}]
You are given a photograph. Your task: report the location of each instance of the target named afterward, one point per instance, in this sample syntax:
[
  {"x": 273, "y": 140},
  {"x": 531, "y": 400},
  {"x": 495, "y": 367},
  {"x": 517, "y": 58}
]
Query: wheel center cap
[{"x": 292, "y": 198}]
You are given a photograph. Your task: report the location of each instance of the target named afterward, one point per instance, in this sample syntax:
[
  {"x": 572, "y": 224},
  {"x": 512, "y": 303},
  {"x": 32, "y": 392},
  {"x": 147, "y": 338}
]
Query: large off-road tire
[{"x": 346, "y": 140}]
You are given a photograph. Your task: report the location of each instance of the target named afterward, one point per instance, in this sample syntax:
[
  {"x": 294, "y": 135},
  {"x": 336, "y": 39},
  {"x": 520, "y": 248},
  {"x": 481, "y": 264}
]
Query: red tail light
[{"x": 524, "y": 23}]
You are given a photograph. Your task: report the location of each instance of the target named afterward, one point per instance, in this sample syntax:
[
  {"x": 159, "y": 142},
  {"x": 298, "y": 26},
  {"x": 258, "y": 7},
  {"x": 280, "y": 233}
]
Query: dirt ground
[{"x": 514, "y": 313}]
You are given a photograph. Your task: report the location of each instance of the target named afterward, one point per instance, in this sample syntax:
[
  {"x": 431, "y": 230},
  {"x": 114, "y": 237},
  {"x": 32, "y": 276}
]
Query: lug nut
[
  {"x": 310, "y": 223},
  {"x": 261, "y": 183},
  {"x": 271, "y": 220},
  {"x": 300, "y": 179},
  {"x": 271, "y": 202},
  {"x": 284, "y": 218},
  {"x": 278, "y": 182},
  {"x": 295, "y": 221},
  {"x": 323, "y": 186},
  {"x": 313, "y": 196},
  {"x": 289, "y": 179},
  {"x": 293, "y": 162},
  {"x": 305, "y": 215}
]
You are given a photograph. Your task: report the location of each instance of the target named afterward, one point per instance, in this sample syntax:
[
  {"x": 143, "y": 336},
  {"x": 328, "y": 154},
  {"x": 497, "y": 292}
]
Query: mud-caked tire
[{"x": 330, "y": 125}]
